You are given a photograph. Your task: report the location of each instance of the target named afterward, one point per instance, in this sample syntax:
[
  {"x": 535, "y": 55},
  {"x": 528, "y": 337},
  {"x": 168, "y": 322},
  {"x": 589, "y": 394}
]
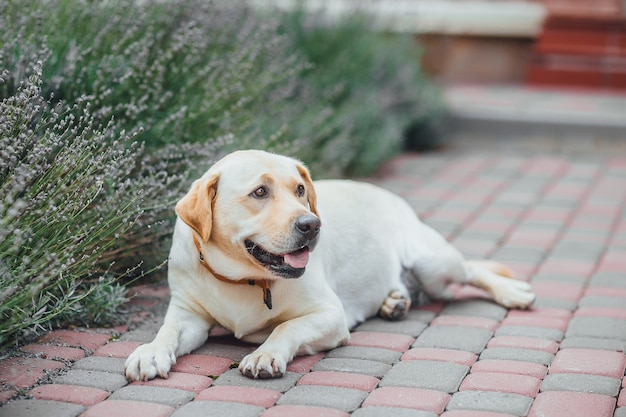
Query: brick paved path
[{"x": 558, "y": 220}]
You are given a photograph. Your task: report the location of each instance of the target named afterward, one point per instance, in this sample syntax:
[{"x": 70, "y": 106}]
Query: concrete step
[{"x": 522, "y": 110}]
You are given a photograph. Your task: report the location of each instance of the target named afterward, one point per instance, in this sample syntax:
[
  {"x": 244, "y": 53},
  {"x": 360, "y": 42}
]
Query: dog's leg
[
  {"x": 495, "y": 278},
  {"x": 396, "y": 306},
  {"x": 315, "y": 332},
  {"x": 180, "y": 333}
]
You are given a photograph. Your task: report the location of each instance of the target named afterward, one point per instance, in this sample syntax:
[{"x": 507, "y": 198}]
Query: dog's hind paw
[
  {"x": 395, "y": 307},
  {"x": 515, "y": 294}
]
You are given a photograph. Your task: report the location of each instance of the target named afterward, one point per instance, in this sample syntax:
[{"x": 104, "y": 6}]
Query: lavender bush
[
  {"x": 60, "y": 188},
  {"x": 80, "y": 207},
  {"x": 181, "y": 70}
]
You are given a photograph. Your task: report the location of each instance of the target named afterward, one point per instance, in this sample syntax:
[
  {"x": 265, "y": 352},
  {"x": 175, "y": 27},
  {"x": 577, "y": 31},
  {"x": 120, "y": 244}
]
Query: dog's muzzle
[{"x": 290, "y": 264}]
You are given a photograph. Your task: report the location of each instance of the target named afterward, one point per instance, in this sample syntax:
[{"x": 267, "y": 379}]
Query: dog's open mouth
[{"x": 287, "y": 265}]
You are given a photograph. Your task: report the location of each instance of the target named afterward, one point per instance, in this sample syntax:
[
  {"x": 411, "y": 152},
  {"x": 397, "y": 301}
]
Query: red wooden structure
[{"x": 582, "y": 44}]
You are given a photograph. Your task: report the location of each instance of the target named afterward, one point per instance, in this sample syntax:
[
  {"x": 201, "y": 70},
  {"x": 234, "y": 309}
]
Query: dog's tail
[{"x": 493, "y": 266}]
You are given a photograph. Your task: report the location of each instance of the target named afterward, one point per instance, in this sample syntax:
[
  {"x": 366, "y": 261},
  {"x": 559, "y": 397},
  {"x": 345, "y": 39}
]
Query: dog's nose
[{"x": 308, "y": 225}]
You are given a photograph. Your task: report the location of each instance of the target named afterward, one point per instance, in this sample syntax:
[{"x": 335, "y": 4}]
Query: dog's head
[{"x": 256, "y": 212}]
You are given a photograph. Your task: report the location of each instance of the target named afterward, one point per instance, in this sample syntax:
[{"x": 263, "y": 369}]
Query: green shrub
[{"x": 376, "y": 93}]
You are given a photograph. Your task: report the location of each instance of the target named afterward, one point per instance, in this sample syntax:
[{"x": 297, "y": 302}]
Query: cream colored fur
[{"x": 369, "y": 238}]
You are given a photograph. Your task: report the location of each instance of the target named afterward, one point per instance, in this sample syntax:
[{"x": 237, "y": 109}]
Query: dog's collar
[{"x": 263, "y": 283}]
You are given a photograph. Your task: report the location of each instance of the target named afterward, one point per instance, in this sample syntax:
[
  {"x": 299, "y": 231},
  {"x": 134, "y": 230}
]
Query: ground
[{"x": 555, "y": 213}]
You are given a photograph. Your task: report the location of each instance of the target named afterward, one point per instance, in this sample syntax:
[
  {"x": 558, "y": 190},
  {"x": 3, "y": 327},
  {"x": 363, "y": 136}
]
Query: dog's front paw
[
  {"x": 148, "y": 361},
  {"x": 263, "y": 365}
]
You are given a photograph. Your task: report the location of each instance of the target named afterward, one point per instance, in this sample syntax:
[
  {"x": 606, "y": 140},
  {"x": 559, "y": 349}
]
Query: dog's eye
[
  {"x": 300, "y": 190},
  {"x": 260, "y": 192}
]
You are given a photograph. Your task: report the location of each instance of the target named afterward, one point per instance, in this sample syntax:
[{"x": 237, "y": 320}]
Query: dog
[{"x": 293, "y": 265}]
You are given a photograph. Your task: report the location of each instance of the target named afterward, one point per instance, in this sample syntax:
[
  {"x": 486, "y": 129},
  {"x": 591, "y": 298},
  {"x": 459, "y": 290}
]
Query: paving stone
[
  {"x": 511, "y": 367},
  {"x": 405, "y": 327},
  {"x": 202, "y": 364},
  {"x": 35, "y": 408},
  {"x": 94, "y": 379},
  {"x": 587, "y": 252},
  {"x": 217, "y": 409},
  {"x": 567, "y": 266},
  {"x": 571, "y": 404},
  {"x": 541, "y": 312},
  {"x": 102, "y": 364},
  {"x": 501, "y": 382},
  {"x": 303, "y": 411},
  {"x": 359, "y": 366},
  {"x": 602, "y": 301},
  {"x": 558, "y": 323},
  {"x": 497, "y": 402},
  {"x": 518, "y": 342},
  {"x": 26, "y": 372},
  {"x": 619, "y": 313},
  {"x": 440, "y": 376},
  {"x": 139, "y": 335},
  {"x": 519, "y": 254},
  {"x": 572, "y": 279},
  {"x": 344, "y": 399},
  {"x": 551, "y": 302},
  {"x": 443, "y": 355},
  {"x": 398, "y": 342},
  {"x": 391, "y": 412},
  {"x": 587, "y": 361},
  {"x": 370, "y": 354},
  {"x": 606, "y": 291},
  {"x": 478, "y": 322},
  {"x": 471, "y": 413},
  {"x": 403, "y": 397},
  {"x": 54, "y": 352},
  {"x": 480, "y": 308},
  {"x": 217, "y": 347},
  {"x": 525, "y": 355},
  {"x": 86, "y": 340},
  {"x": 620, "y": 412},
  {"x": 593, "y": 343},
  {"x": 561, "y": 290},
  {"x": 7, "y": 394},
  {"x": 179, "y": 380},
  {"x": 453, "y": 337},
  {"x": 254, "y": 396},
  {"x": 303, "y": 364},
  {"x": 234, "y": 377},
  {"x": 168, "y": 396},
  {"x": 69, "y": 393},
  {"x": 416, "y": 314},
  {"x": 340, "y": 379},
  {"x": 528, "y": 331},
  {"x": 594, "y": 384},
  {"x": 608, "y": 279},
  {"x": 117, "y": 349}
]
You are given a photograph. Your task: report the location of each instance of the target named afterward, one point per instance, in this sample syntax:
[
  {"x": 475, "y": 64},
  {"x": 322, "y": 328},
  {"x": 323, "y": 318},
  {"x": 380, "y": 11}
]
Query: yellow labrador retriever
[{"x": 292, "y": 265}]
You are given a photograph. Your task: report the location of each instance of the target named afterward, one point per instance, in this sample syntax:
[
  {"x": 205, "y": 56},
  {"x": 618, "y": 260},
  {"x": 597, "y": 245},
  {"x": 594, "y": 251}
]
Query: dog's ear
[
  {"x": 196, "y": 207},
  {"x": 310, "y": 189}
]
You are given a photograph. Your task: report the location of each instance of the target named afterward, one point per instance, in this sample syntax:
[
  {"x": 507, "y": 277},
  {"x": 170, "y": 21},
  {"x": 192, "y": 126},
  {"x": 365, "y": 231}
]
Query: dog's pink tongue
[{"x": 297, "y": 259}]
